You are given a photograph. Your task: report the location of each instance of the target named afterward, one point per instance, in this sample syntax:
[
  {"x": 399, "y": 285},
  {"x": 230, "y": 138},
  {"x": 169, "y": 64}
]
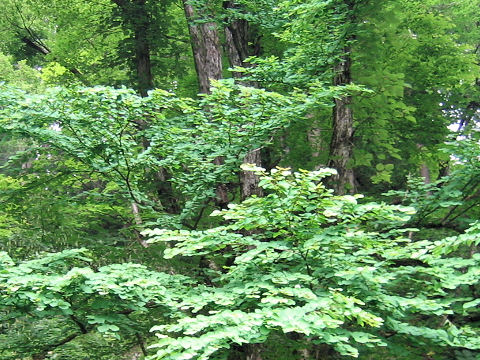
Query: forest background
[{"x": 182, "y": 179}]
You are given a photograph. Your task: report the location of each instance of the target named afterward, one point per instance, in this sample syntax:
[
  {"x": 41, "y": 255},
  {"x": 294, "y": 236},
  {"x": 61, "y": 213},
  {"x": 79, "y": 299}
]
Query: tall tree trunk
[
  {"x": 424, "y": 169},
  {"x": 425, "y": 173},
  {"x": 238, "y": 36},
  {"x": 248, "y": 180},
  {"x": 253, "y": 352},
  {"x": 142, "y": 50},
  {"x": 207, "y": 55},
  {"x": 135, "y": 15},
  {"x": 206, "y": 48},
  {"x": 221, "y": 192},
  {"x": 239, "y": 42},
  {"x": 341, "y": 145},
  {"x": 139, "y": 222}
]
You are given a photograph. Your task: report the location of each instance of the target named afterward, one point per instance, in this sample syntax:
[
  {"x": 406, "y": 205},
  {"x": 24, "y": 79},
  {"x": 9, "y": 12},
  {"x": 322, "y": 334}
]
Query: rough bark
[
  {"x": 238, "y": 36},
  {"x": 253, "y": 352},
  {"x": 206, "y": 48},
  {"x": 207, "y": 56},
  {"x": 248, "y": 180},
  {"x": 341, "y": 145},
  {"x": 221, "y": 192}
]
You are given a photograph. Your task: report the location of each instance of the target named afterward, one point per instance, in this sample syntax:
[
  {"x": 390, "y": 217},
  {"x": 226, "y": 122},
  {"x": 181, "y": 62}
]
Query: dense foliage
[{"x": 183, "y": 179}]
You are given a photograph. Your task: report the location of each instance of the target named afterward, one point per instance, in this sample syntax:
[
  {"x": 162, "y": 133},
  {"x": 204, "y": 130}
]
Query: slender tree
[
  {"x": 341, "y": 143},
  {"x": 135, "y": 14}
]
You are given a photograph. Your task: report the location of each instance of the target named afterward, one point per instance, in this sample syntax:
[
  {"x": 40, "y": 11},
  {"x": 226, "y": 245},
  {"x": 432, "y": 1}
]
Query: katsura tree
[
  {"x": 319, "y": 274},
  {"x": 301, "y": 271},
  {"x": 320, "y": 36},
  {"x": 68, "y": 299},
  {"x": 213, "y": 26},
  {"x": 122, "y": 163}
]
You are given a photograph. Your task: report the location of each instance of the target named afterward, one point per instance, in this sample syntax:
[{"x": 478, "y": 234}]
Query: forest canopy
[{"x": 239, "y": 180}]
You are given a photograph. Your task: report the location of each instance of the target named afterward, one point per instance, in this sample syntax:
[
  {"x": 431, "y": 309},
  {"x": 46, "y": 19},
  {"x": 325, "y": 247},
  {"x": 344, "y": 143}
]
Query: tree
[
  {"x": 24, "y": 27},
  {"x": 140, "y": 44},
  {"x": 317, "y": 268},
  {"x": 178, "y": 138},
  {"x": 313, "y": 269},
  {"x": 405, "y": 92},
  {"x": 312, "y": 59},
  {"x": 136, "y": 16},
  {"x": 100, "y": 167},
  {"x": 123, "y": 296},
  {"x": 242, "y": 42},
  {"x": 205, "y": 44},
  {"x": 207, "y": 51}
]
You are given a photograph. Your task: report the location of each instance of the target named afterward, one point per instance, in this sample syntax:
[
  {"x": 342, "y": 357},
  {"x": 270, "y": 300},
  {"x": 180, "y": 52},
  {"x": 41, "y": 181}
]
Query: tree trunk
[
  {"x": 424, "y": 170},
  {"x": 134, "y": 13},
  {"x": 240, "y": 41},
  {"x": 248, "y": 180},
  {"x": 341, "y": 145},
  {"x": 207, "y": 56},
  {"x": 253, "y": 352},
  {"x": 316, "y": 139},
  {"x": 221, "y": 192},
  {"x": 139, "y": 223},
  {"x": 237, "y": 38},
  {"x": 425, "y": 174},
  {"x": 142, "y": 52},
  {"x": 206, "y": 48}
]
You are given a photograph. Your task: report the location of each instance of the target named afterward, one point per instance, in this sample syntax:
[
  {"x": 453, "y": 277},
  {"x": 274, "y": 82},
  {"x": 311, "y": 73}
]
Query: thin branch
[
  {"x": 199, "y": 217},
  {"x": 80, "y": 325},
  {"x": 141, "y": 343}
]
